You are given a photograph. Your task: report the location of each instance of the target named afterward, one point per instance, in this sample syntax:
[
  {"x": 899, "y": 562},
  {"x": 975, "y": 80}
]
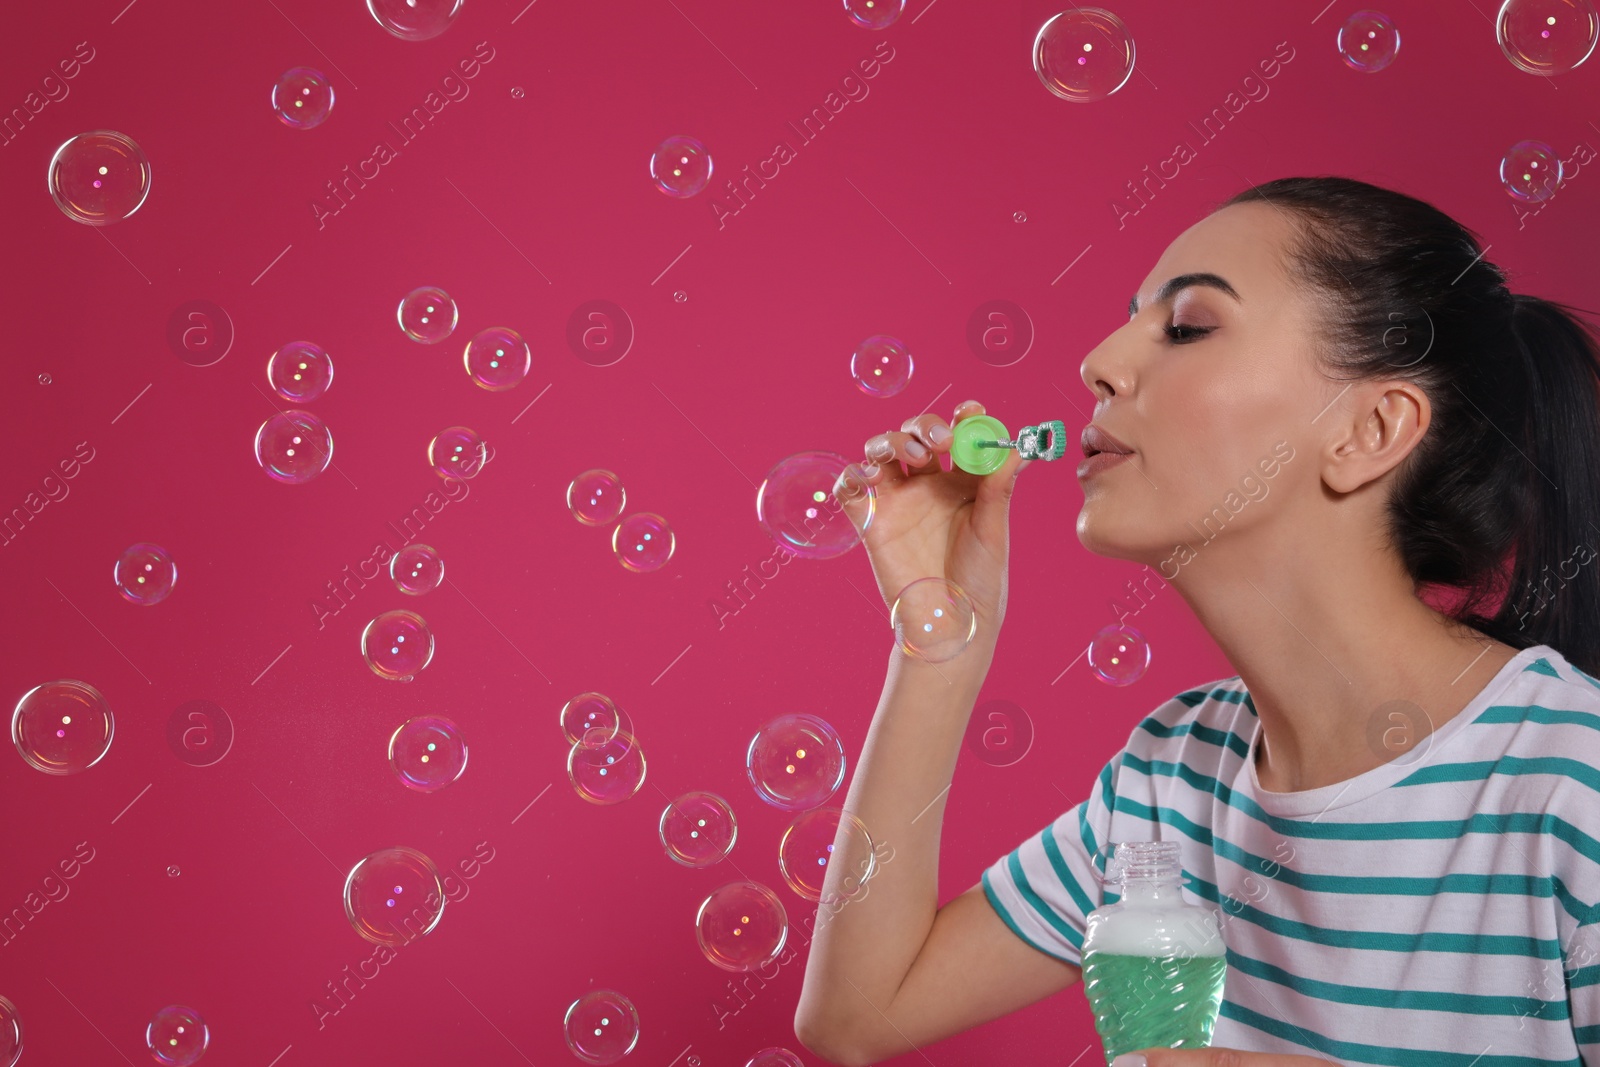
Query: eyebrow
[{"x": 1184, "y": 281}]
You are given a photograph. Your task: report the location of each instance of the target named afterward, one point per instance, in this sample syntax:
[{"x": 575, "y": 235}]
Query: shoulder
[{"x": 1194, "y": 731}]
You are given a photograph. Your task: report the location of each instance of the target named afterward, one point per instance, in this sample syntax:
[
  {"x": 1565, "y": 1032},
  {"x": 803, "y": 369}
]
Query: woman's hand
[{"x": 1215, "y": 1057}]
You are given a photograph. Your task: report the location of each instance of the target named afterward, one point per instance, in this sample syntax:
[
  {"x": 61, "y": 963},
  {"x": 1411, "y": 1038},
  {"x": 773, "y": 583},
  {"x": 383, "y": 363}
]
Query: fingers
[{"x": 918, "y": 444}]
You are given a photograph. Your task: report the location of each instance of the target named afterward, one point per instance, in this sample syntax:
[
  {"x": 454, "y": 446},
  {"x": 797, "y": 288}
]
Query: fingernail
[
  {"x": 880, "y": 450},
  {"x": 938, "y": 435},
  {"x": 1129, "y": 1059},
  {"x": 915, "y": 449},
  {"x": 870, "y": 470}
]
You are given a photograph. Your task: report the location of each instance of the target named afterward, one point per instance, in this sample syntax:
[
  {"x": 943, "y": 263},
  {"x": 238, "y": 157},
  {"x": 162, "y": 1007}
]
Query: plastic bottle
[{"x": 1153, "y": 965}]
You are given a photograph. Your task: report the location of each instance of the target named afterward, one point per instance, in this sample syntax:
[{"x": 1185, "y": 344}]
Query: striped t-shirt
[{"x": 1431, "y": 911}]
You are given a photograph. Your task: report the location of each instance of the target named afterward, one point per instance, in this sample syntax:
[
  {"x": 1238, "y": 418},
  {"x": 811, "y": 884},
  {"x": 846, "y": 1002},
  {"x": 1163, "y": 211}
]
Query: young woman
[{"x": 1394, "y": 807}]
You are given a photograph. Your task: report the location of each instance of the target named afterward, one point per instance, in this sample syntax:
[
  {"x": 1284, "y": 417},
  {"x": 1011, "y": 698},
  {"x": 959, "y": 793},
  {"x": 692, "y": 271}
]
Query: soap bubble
[
  {"x": 416, "y": 569},
  {"x": 300, "y": 371},
  {"x": 62, "y": 727},
  {"x": 1118, "y": 655},
  {"x": 775, "y": 1057},
  {"x": 497, "y": 358},
  {"x": 457, "y": 452},
  {"x": 10, "y": 1033},
  {"x": 606, "y": 770},
  {"x": 145, "y": 574},
  {"x": 596, "y": 497},
  {"x": 294, "y": 447},
  {"x": 302, "y": 98},
  {"x": 394, "y": 896},
  {"x": 427, "y": 314},
  {"x": 881, "y": 365},
  {"x": 428, "y": 753},
  {"x": 1531, "y": 171},
  {"x": 808, "y": 846},
  {"x": 594, "y": 718},
  {"x": 741, "y": 926},
  {"x": 643, "y": 542},
  {"x": 796, "y": 504},
  {"x": 874, "y": 14},
  {"x": 1368, "y": 41},
  {"x": 698, "y": 829},
  {"x": 1547, "y": 36},
  {"x": 681, "y": 166},
  {"x": 415, "y": 20},
  {"x": 1083, "y": 54},
  {"x": 602, "y": 1026},
  {"x": 795, "y": 762},
  {"x": 100, "y": 177},
  {"x": 396, "y": 645},
  {"x": 177, "y": 1036},
  {"x": 933, "y": 620}
]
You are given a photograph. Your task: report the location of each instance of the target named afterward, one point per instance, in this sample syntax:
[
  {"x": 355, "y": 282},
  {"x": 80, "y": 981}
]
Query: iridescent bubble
[
  {"x": 795, "y": 762},
  {"x": 457, "y": 452},
  {"x": 602, "y": 1026},
  {"x": 643, "y": 542},
  {"x": 810, "y": 844},
  {"x": 1118, "y": 655},
  {"x": 302, "y": 98},
  {"x": 881, "y": 365},
  {"x": 294, "y": 447},
  {"x": 100, "y": 177},
  {"x": 394, "y": 896},
  {"x": 874, "y": 14},
  {"x": 145, "y": 574},
  {"x": 933, "y": 620},
  {"x": 1547, "y": 37},
  {"x": 428, "y": 753},
  {"x": 606, "y": 770},
  {"x": 497, "y": 358},
  {"x": 680, "y": 296},
  {"x": 396, "y": 645},
  {"x": 596, "y": 497},
  {"x": 177, "y": 1036},
  {"x": 1531, "y": 171},
  {"x": 415, "y": 20},
  {"x": 593, "y": 716},
  {"x": 681, "y": 166},
  {"x": 62, "y": 727},
  {"x": 173, "y": 872},
  {"x": 45, "y": 379},
  {"x": 416, "y": 569},
  {"x": 698, "y": 829},
  {"x": 300, "y": 371},
  {"x": 775, "y": 1057},
  {"x": 799, "y": 508},
  {"x": 427, "y": 314},
  {"x": 1368, "y": 41},
  {"x": 10, "y": 1033},
  {"x": 741, "y": 926},
  {"x": 1083, "y": 54}
]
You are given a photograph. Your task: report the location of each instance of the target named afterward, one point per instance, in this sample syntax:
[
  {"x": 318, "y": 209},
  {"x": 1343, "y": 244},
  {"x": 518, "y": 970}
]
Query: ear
[{"x": 1385, "y": 421}]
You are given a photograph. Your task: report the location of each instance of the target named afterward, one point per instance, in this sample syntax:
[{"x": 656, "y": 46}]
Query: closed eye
[{"x": 1184, "y": 334}]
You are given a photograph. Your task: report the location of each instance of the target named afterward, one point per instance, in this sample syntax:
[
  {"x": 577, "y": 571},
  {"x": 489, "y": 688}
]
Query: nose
[{"x": 1106, "y": 370}]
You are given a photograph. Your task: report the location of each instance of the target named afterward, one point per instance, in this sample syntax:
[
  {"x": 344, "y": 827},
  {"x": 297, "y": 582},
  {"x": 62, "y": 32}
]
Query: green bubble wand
[{"x": 979, "y": 440}]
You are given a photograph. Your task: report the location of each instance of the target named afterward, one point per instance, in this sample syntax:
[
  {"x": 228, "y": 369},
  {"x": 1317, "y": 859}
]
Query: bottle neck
[{"x": 1136, "y": 890}]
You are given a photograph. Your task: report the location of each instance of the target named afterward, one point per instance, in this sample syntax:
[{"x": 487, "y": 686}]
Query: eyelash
[{"x": 1195, "y": 332}]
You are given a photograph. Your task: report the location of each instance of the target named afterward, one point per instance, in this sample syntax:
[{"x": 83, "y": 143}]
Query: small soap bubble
[
  {"x": 602, "y": 1026},
  {"x": 394, "y": 896},
  {"x": 1547, "y": 37},
  {"x": 594, "y": 718},
  {"x": 698, "y": 829},
  {"x": 643, "y": 542},
  {"x": 606, "y": 770},
  {"x": 798, "y": 506},
  {"x": 62, "y": 727},
  {"x": 741, "y": 926},
  {"x": 173, "y": 872},
  {"x": 145, "y": 574},
  {"x": 516, "y": 92},
  {"x": 294, "y": 447},
  {"x": 1531, "y": 171},
  {"x": 596, "y": 497},
  {"x": 809, "y": 845},
  {"x": 1368, "y": 41},
  {"x": 775, "y": 1057},
  {"x": 1118, "y": 655},
  {"x": 497, "y": 358},
  {"x": 874, "y": 14},
  {"x": 680, "y": 296},
  {"x": 681, "y": 166},
  {"x": 427, "y": 314},
  {"x": 177, "y": 1036},
  {"x": 933, "y": 620},
  {"x": 300, "y": 371},
  {"x": 1019, "y": 216},
  {"x": 428, "y": 753},
  {"x": 396, "y": 645},
  {"x": 100, "y": 177},
  {"x": 457, "y": 452},
  {"x": 10, "y": 1033},
  {"x": 416, "y": 569},
  {"x": 1083, "y": 54},
  {"x": 881, "y": 365},
  {"x": 302, "y": 98},
  {"x": 415, "y": 20},
  {"x": 795, "y": 762},
  {"x": 45, "y": 379}
]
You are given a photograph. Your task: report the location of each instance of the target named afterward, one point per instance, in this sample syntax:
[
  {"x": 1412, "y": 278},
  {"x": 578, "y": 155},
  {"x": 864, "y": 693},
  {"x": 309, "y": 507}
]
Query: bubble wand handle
[{"x": 980, "y": 439}]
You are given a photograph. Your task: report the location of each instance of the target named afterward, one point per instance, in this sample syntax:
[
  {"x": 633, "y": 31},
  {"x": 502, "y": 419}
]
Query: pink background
[{"x": 898, "y": 219}]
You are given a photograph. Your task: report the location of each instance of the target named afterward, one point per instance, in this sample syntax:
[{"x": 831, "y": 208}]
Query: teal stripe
[
  {"x": 1541, "y": 666},
  {"x": 1005, "y": 916},
  {"x": 1019, "y": 879}
]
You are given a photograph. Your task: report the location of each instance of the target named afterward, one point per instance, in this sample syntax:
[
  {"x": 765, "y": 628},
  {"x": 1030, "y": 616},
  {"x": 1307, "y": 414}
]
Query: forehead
[{"x": 1245, "y": 243}]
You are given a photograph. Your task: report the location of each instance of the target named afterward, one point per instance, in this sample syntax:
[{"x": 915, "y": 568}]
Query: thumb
[{"x": 994, "y": 498}]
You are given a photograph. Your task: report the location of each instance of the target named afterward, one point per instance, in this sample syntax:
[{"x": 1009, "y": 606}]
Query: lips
[{"x": 1096, "y": 440}]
